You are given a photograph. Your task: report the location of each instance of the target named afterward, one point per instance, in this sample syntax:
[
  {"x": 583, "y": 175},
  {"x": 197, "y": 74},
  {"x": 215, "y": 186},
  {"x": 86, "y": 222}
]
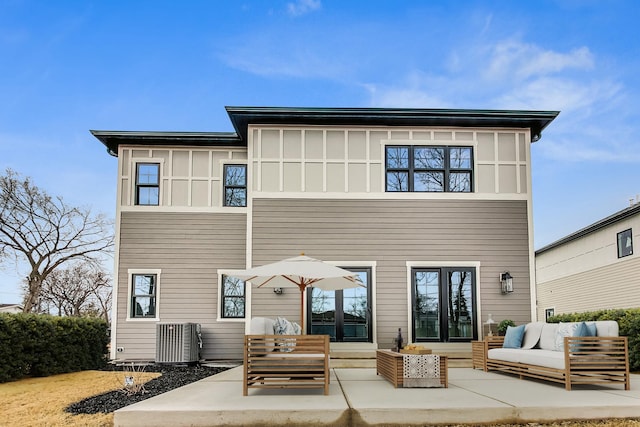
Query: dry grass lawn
[{"x": 41, "y": 401}]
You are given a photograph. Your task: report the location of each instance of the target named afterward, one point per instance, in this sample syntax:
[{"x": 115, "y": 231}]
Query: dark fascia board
[
  {"x": 241, "y": 117},
  {"x": 606, "y": 222},
  {"x": 113, "y": 139}
]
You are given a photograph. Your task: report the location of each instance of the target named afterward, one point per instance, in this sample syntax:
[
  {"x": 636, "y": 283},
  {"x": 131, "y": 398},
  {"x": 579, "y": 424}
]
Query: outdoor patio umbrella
[{"x": 300, "y": 272}]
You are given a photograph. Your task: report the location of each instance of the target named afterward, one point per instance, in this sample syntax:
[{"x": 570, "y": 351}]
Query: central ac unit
[{"x": 178, "y": 342}]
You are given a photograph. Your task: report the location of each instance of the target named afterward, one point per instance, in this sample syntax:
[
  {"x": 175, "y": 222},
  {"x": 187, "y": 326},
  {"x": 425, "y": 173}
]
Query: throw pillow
[
  {"x": 513, "y": 337},
  {"x": 591, "y": 329},
  {"x": 573, "y": 329}
]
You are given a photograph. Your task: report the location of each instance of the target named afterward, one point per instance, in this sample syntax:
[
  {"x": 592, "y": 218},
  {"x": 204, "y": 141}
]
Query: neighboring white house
[
  {"x": 592, "y": 269},
  {"x": 10, "y": 308}
]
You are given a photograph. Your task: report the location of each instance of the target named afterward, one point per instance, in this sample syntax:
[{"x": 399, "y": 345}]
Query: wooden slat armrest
[{"x": 493, "y": 342}]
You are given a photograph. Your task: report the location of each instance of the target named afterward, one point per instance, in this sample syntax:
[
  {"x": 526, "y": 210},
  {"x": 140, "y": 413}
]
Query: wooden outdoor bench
[
  {"x": 587, "y": 360},
  {"x": 286, "y": 361}
]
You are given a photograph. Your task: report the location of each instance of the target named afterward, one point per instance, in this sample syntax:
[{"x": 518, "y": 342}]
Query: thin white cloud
[
  {"x": 303, "y": 7},
  {"x": 516, "y": 60}
]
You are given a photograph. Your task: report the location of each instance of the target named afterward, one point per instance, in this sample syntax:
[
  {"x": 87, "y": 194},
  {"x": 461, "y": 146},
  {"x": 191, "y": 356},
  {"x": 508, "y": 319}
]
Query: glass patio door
[
  {"x": 344, "y": 315},
  {"x": 444, "y": 304}
]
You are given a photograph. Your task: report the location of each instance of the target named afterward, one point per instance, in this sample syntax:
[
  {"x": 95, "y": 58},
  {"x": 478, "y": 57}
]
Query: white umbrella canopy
[{"x": 300, "y": 272}]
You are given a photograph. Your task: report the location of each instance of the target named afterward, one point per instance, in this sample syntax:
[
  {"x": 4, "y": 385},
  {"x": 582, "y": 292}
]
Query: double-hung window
[
  {"x": 429, "y": 169},
  {"x": 148, "y": 184},
  {"x": 235, "y": 185},
  {"x": 144, "y": 288},
  {"x": 233, "y": 298}
]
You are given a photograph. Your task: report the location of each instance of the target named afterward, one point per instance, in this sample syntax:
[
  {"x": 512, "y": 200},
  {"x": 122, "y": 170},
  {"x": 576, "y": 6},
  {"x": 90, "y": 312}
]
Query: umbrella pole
[{"x": 303, "y": 332}]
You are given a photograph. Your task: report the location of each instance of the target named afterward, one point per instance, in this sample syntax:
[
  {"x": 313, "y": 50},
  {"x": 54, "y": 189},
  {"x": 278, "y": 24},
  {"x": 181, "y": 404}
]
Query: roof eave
[
  {"x": 606, "y": 222},
  {"x": 113, "y": 139},
  {"x": 537, "y": 121}
]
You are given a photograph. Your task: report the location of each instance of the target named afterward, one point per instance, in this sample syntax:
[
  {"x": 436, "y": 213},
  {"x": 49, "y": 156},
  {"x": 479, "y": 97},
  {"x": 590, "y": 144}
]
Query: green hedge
[
  {"x": 41, "y": 345},
  {"x": 628, "y": 321}
]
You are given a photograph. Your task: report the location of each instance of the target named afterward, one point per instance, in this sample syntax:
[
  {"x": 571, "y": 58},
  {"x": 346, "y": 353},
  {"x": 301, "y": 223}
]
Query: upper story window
[
  {"x": 625, "y": 243},
  {"x": 143, "y": 295},
  {"x": 148, "y": 184},
  {"x": 235, "y": 185},
  {"x": 233, "y": 298},
  {"x": 429, "y": 168}
]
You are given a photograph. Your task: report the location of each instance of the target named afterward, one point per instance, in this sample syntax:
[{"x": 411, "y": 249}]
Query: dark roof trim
[
  {"x": 606, "y": 222},
  {"x": 242, "y": 117},
  {"x": 112, "y": 139}
]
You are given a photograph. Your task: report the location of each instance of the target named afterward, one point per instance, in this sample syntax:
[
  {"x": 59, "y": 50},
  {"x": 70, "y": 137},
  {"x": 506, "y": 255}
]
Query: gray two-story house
[{"x": 431, "y": 208}]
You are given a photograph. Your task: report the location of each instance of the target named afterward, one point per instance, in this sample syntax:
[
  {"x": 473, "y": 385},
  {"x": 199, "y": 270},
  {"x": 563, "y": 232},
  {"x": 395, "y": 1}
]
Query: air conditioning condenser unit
[{"x": 178, "y": 342}]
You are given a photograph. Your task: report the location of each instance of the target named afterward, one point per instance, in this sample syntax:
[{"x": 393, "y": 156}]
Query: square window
[
  {"x": 397, "y": 157},
  {"x": 397, "y": 181},
  {"x": 625, "y": 243}
]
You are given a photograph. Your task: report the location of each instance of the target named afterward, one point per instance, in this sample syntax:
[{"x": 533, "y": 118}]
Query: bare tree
[
  {"x": 80, "y": 290},
  {"x": 46, "y": 232}
]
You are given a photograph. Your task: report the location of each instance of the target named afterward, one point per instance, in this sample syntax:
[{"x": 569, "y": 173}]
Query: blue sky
[{"x": 67, "y": 67}]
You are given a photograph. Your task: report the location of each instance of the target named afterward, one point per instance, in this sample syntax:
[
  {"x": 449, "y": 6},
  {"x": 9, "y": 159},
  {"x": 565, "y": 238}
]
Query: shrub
[
  {"x": 42, "y": 345},
  {"x": 504, "y": 324},
  {"x": 628, "y": 322}
]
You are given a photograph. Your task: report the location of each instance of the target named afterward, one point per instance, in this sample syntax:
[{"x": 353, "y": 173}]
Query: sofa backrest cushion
[
  {"x": 532, "y": 333},
  {"x": 607, "y": 328},
  {"x": 261, "y": 326},
  {"x": 548, "y": 336}
]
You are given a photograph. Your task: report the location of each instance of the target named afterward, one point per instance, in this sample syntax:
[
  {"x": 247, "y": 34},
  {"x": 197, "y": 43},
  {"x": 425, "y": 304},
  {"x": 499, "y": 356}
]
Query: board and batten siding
[
  {"x": 188, "y": 248},
  {"x": 391, "y": 233},
  {"x": 351, "y": 160}
]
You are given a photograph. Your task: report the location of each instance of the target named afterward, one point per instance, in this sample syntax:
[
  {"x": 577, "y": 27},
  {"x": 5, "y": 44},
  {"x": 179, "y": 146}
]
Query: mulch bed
[{"x": 172, "y": 377}]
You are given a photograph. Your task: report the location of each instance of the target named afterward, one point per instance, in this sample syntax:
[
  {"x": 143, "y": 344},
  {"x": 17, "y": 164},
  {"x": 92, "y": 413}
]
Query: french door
[
  {"x": 344, "y": 315},
  {"x": 444, "y": 304}
]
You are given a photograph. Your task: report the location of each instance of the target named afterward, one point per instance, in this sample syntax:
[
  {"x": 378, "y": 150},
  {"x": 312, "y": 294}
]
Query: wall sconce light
[
  {"x": 278, "y": 291},
  {"x": 506, "y": 282}
]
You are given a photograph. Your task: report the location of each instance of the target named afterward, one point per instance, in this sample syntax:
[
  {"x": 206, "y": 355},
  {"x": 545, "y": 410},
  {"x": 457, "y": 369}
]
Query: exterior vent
[{"x": 178, "y": 342}]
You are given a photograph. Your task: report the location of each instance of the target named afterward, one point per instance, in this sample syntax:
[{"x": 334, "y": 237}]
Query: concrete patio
[{"x": 359, "y": 397}]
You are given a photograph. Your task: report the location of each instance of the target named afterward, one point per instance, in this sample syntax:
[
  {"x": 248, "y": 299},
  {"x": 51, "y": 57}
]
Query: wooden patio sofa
[
  {"x": 587, "y": 360},
  {"x": 286, "y": 361}
]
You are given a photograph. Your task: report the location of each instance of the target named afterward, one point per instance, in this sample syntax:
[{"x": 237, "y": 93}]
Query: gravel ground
[{"x": 172, "y": 377}]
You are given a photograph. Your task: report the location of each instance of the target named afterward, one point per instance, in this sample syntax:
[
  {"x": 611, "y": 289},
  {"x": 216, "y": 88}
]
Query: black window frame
[
  {"x": 549, "y": 312},
  {"x": 447, "y": 170},
  {"x": 224, "y": 297},
  {"x": 225, "y": 186},
  {"x": 444, "y": 297},
  {"x": 145, "y": 185},
  {"x": 623, "y": 251},
  {"x": 152, "y": 296}
]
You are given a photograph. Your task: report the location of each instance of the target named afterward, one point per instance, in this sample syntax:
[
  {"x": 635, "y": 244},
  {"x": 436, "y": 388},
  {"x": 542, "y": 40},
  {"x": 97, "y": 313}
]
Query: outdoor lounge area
[{"x": 359, "y": 397}]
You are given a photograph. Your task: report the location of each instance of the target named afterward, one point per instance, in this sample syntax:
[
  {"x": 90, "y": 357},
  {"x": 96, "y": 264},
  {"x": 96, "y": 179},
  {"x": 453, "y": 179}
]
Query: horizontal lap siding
[
  {"x": 392, "y": 232},
  {"x": 189, "y": 248},
  {"x": 612, "y": 286}
]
